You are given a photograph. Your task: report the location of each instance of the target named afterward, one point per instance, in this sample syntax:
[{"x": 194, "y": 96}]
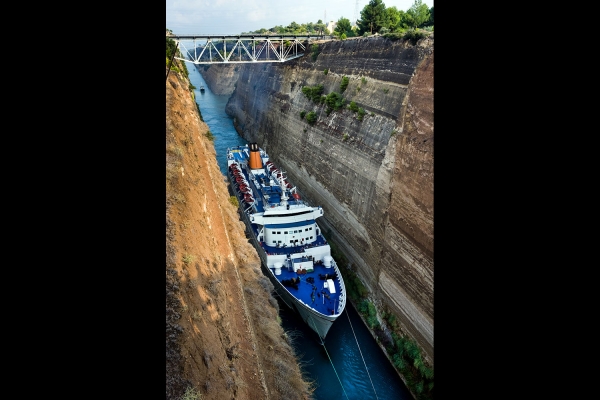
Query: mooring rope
[
  {"x": 336, "y": 374},
  {"x": 361, "y": 355},
  {"x": 331, "y": 361}
]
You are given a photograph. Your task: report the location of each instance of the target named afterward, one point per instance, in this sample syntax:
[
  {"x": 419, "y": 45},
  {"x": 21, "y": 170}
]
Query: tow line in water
[{"x": 361, "y": 356}]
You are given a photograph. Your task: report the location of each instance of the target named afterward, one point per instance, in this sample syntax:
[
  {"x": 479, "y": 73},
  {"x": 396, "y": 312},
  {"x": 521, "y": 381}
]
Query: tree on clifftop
[
  {"x": 419, "y": 13},
  {"x": 344, "y": 26},
  {"x": 372, "y": 17}
]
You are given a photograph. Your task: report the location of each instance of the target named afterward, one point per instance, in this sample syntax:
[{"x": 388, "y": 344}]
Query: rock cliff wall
[
  {"x": 220, "y": 78},
  {"x": 373, "y": 177},
  {"x": 223, "y": 337}
]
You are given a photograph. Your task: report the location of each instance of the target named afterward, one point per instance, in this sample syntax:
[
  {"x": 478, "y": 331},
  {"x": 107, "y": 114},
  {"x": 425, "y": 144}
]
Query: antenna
[{"x": 356, "y": 12}]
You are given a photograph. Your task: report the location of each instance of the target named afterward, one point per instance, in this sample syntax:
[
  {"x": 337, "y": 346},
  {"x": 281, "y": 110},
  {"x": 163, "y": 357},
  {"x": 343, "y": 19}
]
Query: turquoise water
[
  {"x": 212, "y": 107},
  {"x": 348, "y": 345}
]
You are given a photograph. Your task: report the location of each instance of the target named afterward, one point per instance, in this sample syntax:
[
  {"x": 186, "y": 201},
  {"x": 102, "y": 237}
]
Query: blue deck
[
  {"x": 274, "y": 192},
  {"x": 313, "y": 293}
]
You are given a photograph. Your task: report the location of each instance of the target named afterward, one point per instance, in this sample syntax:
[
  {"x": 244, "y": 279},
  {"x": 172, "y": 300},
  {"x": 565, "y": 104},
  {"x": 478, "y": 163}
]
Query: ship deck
[
  {"x": 313, "y": 291},
  {"x": 310, "y": 288}
]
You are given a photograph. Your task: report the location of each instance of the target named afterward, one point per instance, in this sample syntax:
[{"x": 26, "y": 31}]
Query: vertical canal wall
[{"x": 373, "y": 177}]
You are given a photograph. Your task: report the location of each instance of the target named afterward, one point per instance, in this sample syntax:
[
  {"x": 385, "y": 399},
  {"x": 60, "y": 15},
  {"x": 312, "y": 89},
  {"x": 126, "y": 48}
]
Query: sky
[{"x": 238, "y": 16}]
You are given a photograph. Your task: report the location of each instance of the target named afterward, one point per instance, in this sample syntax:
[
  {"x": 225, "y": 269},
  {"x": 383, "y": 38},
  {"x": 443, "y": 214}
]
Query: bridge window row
[
  {"x": 297, "y": 231},
  {"x": 295, "y": 241}
]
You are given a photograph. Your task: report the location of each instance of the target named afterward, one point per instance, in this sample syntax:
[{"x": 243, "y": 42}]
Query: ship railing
[
  {"x": 297, "y": 204},
  {"x": 342, "y": 298}
]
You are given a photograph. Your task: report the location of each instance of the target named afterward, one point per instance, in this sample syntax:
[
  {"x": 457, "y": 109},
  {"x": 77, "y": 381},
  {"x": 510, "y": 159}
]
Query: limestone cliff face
[
  {"x": 373, "y": 178},
  {"x": 220, "y": 78}
]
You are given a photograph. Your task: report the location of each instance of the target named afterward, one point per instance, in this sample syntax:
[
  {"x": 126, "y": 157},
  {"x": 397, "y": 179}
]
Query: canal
[{"x": 338, "y": 368}]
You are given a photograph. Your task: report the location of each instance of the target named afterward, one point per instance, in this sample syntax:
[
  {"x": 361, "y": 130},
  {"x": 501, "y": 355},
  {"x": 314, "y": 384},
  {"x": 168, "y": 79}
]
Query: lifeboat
[{"x": 296, "y": 196}]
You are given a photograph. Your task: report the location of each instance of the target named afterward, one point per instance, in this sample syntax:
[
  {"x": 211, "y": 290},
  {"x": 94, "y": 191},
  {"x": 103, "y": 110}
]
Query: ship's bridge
[
  {"x": 289, "y": 234},
  {"x": 281, "y": 216}
]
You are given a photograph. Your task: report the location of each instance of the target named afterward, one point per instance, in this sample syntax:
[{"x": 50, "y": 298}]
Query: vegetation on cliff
[
  {"x": 174, "y": 64},
  {"x": 374, "y": 18}
]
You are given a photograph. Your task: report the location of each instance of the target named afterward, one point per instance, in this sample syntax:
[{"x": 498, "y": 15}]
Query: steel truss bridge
[{"x": 221, "y": 49}]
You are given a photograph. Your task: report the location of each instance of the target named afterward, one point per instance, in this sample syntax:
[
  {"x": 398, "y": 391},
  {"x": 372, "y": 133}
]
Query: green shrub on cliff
[
  {"x": 311, "y": 117},
  {"x": 344, "y": 84},
  {"x": 361, "y": 114},
  {"x": 191, "y": 394},
  {"x": 334, "y": 101},
  {"x": 171, "y": 47},
  {"x": 413, "y": 35},
  {"x": 315, "y": 51},
  {"x": 302, "y": 114},
  {"x": 394, "y": 36},
  {"x": 313, "y": 92},
  {"x": 355, "y": 288}
]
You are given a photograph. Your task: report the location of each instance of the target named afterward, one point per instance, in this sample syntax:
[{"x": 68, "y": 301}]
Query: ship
[
  {"x": 202, "y": 88},
  {"x": 283, "y": 228}
]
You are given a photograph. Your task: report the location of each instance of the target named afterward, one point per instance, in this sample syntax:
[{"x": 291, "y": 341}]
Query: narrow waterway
[{"x": 338, "y": 368}]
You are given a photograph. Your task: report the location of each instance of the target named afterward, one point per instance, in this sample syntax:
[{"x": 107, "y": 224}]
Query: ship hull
[
  {"x": 319, "y": 323},
  {"x": 304, "y": 274}
]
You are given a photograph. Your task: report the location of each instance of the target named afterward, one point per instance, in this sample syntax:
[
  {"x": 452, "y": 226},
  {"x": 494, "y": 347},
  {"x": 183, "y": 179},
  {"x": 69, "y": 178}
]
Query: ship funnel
[{"x": 255, "y": 161}]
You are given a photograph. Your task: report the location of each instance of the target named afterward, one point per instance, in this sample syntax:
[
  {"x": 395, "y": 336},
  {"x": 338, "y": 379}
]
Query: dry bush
[
  {"x": 274, "y": 303},
  {"x": 172, "y": 170},
  {"x": 240, "y": 383},
  {"x": 213, "y": 287},
  {"x": 178, "y": 197},
  {"x": 290, "y": 384},
  {"x": 207, "y": 358},
  {"x": 191, "y": 394},
  {"x": 266, "y": 284},
  {"x": 232, "y": 351},
  {"x": 193, "y": 283}
]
